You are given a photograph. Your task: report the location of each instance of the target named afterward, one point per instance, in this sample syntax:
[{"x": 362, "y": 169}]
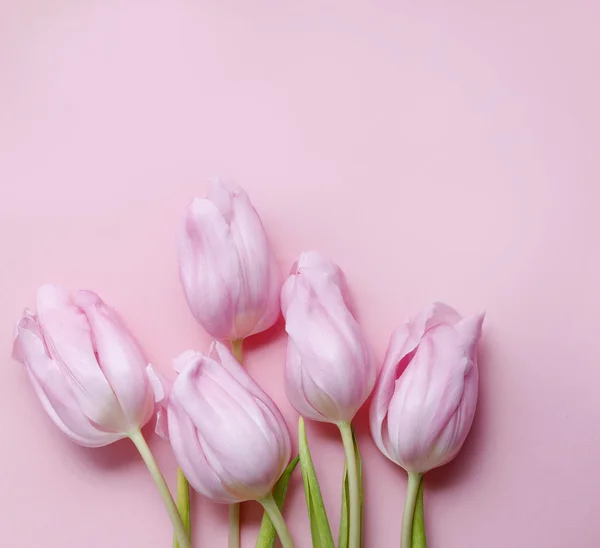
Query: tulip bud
[
  {"x": 85, "y": 366},
  {"x": 426, "y": 395},
  {"x": 228, "y": 436},
  {"x": 329, "y": 372},
  {"x": 229, "y": 274}
]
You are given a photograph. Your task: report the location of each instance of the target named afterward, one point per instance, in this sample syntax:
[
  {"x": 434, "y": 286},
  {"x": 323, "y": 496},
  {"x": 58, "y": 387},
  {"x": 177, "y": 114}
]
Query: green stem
[
  {"x": 418, "y": 534},
  {"x": 234, "y": 509},
  {"x": 138, "y": 439},
  {"x": 354, "y": 540},
  {"x": 183, "y": 504},
  {"x": 234, "y": 526},
  {"x": 409, "y": 508},
  {"x": 236, "y": 349},
  {"x": 274, "y": 513}
]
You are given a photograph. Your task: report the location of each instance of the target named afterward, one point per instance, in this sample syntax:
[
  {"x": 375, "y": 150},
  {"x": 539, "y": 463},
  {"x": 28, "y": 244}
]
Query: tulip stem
[
  {"x": 183, "y": 504},
  {"x": 234, "y": 509},
  {"x": 274, "y": 513},
  {"x": 418, "y": 533},
  {"x": 412, "y": 490},
  {"x": 355, "y": 535},
  {"x": 138, "y": 439},
  {"x": 236, "y": 349},
  {"x": 234, "y": 526}
]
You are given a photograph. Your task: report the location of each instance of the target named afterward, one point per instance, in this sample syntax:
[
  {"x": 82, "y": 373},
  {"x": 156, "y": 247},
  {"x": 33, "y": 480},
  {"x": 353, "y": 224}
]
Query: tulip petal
[
  {"x": 427, "y": 394},
  {"x": 393, "y": 366},
  {"x": 270, "y": 412},
  {"x": 185, "y": 359},
  {"x": 403, "y": 343},
  {"x": 51, "y": 387},
  {"x": 454, "y": 434},
  {"x": 313, "y": 263},
  {"x": 69, "y": 339},
  {"x": 211, "y": 397},
  {"x": 469, "y": 331},
  {"x": 220, "y": 353},
  {"x": 222, "y": 196},
  {"x": 120, "y": 359},
  {"x": 272, "y": 308},
  {"x": 298, "y": 386},
  {"x": 294, "y": 385},
  {"x": 191, "y": 458},
  {"x": 158, "y": 384},
  {"x": 228, "y": 271},
  {"x": 255, "y": 260},
  {"x": 331, "y": 345},
  {"x": 208, "y": 267}
]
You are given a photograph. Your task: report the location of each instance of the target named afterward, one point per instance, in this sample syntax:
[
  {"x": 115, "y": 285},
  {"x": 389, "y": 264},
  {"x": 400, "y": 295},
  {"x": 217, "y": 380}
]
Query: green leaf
[
  {"x": 319, "y": 524},
  {"x": 418, "y": 531},
  {"x": 360, "y": 481},
  {"x": 344, "y": 517},
  {"x": 345, "y": 512},
  {"x": 183, "y": 504},
  {"x": 267, "y": 534},
  {"x": 314, "y": 527}
]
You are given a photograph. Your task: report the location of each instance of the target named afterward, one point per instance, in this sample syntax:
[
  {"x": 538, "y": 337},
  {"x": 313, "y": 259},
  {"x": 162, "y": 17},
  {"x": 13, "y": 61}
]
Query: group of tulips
[{"x": 229, "y": 439}]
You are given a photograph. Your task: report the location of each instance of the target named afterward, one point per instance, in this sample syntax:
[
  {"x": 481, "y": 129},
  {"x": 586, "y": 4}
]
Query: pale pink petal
[
  {"x": 161, "y": 389},
  {"x": 186, "y": 358},
  {"x": 52, "y": 389},
  {"x": 120, "y": 359},
  {"x": 222, "y": 195},
  {"x": 190, "y": 457},
  {"x": 272, "y": 295},
  {"x": 426, "y": 396},
  {"x": 314, "y": 266},
  {"x": 393, "y": 366},
  {"x": 228, "y": 271},
  {"x": 208, "y": 267},
  {"x": 255, "y": 259},
  {"x": 469, "y": 331},
  {"x": 230, "y": 423},
  {"x": 334, "y": 354},
  {"x": 295, "y": 390},
  {"x": 428, "y": 393},
  {"x": 454, "y": 434},
  {"x": 222, "y": 354},
  {"x": 68, "y": 337}
]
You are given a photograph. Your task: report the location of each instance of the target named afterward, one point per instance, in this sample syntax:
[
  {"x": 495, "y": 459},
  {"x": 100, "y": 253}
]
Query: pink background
[{"x": 439, "y": 150}]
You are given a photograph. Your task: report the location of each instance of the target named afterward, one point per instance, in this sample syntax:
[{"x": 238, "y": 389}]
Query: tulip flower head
[
  {"x": 425, "y": 399},
  {"x": 228, "y": 436},
  {"x": 329, "y": 371},
  {"x": 228, "y": 272},
  {"x": 85, "y": 366}
]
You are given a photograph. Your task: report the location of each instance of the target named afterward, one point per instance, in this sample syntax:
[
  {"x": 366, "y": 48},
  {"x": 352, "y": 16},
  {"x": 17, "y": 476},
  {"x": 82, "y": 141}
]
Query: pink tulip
[
  {"x": 86, "y": 368},
  {"x": 426, "y": 396},
  {"x": 228, "y": 436},
  {"x": 329, "y": 371},
  {"x": 228, "y": 271}
]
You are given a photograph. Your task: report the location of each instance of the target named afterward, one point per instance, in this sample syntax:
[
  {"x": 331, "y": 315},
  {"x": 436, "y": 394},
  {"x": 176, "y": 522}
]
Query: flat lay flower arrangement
[{"x": 229, "y": 439}]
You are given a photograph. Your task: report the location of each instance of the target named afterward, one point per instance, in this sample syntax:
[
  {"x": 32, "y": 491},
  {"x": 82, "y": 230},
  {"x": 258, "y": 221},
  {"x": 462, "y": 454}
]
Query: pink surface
[{"x": 442, "y": 150}]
